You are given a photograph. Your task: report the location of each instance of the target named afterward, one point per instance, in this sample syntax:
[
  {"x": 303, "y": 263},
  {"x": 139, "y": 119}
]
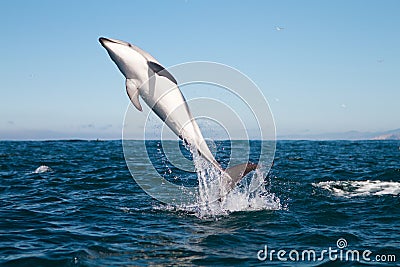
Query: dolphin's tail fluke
[{"x": 236, "y": 173}]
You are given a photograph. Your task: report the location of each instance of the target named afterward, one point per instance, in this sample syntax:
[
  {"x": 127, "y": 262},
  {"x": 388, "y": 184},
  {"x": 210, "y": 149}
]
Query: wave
[{"x": 360, "y": 188}]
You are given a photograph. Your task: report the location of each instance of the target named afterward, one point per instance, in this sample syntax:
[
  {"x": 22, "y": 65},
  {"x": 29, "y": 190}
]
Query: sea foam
[{"x": 360, "y": 188}]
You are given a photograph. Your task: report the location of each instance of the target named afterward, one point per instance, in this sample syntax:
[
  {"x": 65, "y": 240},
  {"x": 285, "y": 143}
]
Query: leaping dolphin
[{"x": 146, "y": 77}]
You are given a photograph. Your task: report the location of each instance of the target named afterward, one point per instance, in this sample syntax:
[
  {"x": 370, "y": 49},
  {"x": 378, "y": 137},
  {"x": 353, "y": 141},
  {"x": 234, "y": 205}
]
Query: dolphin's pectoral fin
[
  {"x": 238, "y": 172},
  {"x": 133, "y": 93},
  {"x": 160, "y": 70}
]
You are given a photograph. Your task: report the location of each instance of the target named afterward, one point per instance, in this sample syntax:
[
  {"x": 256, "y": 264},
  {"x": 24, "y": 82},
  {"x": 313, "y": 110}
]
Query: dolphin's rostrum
[{"x": 146, "y": 77}]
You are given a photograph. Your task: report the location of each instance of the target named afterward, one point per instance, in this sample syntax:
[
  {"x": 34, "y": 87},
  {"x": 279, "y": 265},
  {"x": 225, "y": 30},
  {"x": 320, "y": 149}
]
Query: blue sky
[{"x": 334, "y": 67}]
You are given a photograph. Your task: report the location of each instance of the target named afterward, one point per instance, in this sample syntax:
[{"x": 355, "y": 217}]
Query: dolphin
[{"x": 147, "y": 78}]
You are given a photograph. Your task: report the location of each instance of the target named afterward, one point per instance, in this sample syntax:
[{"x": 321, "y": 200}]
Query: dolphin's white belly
[
  {"x": 139, "y": 71},
  {"x": 167, "y": 101}
]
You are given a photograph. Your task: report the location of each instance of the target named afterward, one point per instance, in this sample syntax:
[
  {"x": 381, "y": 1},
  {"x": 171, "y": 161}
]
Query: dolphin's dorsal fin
[
  {"x": 133, "y": 93},
  {"x": 160, "y": 70}
]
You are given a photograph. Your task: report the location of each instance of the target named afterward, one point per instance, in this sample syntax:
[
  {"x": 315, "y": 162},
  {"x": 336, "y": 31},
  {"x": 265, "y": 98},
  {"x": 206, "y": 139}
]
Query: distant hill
[{"x": 350, "y": 135}]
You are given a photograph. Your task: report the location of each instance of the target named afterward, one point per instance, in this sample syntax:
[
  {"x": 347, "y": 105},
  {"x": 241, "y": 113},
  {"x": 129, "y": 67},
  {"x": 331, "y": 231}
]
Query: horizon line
[{"x": 114, "y": 139}]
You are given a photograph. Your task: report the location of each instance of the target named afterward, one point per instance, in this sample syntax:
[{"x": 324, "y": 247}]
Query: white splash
[
  {"x": 42, "y": 169},
  {"x": 249, "y": 195},
  {"x": 360, "y": 188}
]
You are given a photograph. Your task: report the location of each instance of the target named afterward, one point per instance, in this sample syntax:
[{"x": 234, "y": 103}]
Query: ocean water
[{"x": 75, "y": 203}]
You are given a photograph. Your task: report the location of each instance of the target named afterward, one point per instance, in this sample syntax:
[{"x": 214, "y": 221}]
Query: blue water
[{"x": 86, "y": 210}]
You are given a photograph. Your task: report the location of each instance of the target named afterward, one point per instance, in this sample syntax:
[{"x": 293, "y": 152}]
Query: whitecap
[{"x": 360, "y": 188}]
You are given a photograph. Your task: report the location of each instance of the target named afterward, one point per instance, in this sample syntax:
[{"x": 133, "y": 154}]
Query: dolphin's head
[
  {"x": 104, "y": 40},
  {"x": 122, "y": 54}
]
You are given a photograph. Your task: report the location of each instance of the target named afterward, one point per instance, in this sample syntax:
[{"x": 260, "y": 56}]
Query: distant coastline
[
  {"x": 57, "y": 136},
  {"x": 350, "y": 135}
]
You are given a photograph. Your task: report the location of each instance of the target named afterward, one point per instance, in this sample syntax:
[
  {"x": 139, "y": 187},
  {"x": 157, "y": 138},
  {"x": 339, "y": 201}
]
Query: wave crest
[{"x": 360, "y": 188}]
